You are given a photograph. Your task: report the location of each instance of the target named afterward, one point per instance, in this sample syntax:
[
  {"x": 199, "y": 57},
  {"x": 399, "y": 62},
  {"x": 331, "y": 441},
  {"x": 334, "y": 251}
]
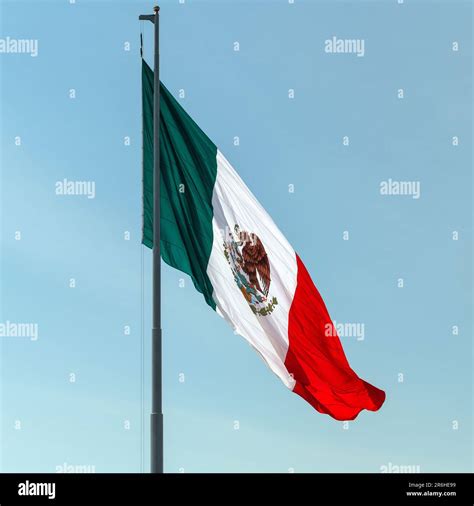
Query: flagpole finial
[{"x": 156, "y": 9}]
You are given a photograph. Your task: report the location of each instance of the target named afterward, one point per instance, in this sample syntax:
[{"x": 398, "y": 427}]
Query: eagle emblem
[{"x": 249, "y": 263}]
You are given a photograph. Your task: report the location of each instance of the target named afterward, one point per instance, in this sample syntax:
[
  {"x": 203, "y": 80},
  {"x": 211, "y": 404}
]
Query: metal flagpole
[{"x": 156, "y": 434}]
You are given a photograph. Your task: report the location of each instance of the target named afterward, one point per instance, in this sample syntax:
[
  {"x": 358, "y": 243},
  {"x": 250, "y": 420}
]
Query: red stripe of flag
[{"x": 317, "y": 361}]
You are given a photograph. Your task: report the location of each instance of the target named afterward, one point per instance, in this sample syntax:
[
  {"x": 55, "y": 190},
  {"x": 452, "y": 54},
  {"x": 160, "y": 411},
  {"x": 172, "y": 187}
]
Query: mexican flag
[{"x": 214, "y": 229}]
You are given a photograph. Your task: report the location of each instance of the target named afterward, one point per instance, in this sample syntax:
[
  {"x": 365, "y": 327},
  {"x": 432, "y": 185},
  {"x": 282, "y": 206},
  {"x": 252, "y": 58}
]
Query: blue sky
[{"x": 101, "y": 419}]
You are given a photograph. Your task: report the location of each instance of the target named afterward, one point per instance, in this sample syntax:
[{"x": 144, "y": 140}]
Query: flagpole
[
  {"x": 156, "y": 419},
  {"x": 156, "y": 439}
]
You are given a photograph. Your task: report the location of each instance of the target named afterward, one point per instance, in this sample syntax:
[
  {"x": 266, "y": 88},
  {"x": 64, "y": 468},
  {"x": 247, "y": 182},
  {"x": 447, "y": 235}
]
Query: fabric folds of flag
[{"x": 215, "y": 230}]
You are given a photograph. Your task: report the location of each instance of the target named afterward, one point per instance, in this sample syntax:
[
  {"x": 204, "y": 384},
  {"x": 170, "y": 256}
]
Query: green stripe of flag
[{"x": 188, "y": 173}]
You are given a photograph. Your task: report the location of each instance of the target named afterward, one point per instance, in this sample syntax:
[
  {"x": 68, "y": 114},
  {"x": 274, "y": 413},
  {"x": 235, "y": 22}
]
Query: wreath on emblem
[{"x": 249, "y": 263}]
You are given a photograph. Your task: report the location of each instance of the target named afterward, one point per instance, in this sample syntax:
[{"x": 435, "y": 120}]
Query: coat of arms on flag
[{"x": 251, "y": 269}]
